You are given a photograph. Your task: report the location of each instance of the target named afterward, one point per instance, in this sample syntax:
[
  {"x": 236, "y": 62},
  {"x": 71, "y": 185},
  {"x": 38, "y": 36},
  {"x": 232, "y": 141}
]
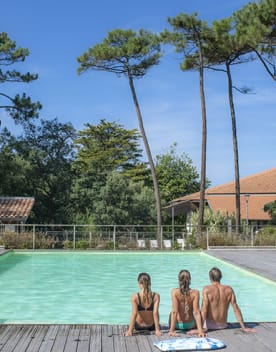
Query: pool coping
[{"x": 259, "y": 261}]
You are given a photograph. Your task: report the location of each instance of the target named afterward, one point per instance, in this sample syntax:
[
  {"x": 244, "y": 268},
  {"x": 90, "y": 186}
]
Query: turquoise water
[{"x": 83, "y": 287}]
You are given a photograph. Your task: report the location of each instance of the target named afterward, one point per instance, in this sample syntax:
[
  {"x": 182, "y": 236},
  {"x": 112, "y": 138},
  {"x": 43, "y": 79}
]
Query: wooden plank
[
  {"x": 25, "y": 338},
  {"x": 107, "y": 338},
  {"x": 72, "y": 338},
  {"x": 266, "y": 334},
  {"x": 37, "y": 338},
  {"x": 84, "y": 339},
  {"x": 96, "y": 339},
  {"x": 110, "y": 338},
  {"x": 143, "y": 342},
  {"x": 16, "y": 333},
  {"x": 5, "y": 332},
  {"x": 119, "y": 340},
  {"x": 61, "y": 338},
  {"x": 49, "y": 339}
]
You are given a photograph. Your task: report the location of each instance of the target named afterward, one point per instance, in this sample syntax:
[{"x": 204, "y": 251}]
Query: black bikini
[{"x": 141, "y": 308}]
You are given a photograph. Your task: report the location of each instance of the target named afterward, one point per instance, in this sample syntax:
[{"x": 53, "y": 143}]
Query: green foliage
[
  {"x": 38, "y": 164},
  {"x": 13, "y": 240},
  {"x": 266, "y": 237},
  {"x": 216, "y": 222},
  {"x": 123, "y": 52},
  {"x": 67, "y": 244},
  {"x": 20, "y": 108},
  {"x": 82, "y": 244},
  {"x": 121, "y": 201},
  {"x": 189, "y": 37},
  {"x": 176, "y": 175},
  {"x": 108, "y": 147},
  {"x": 271, "y": 209}
]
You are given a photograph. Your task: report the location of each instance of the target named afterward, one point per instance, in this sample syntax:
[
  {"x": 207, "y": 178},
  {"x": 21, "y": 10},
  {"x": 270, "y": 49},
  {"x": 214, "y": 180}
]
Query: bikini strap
[{"x": 139, "y": 299}]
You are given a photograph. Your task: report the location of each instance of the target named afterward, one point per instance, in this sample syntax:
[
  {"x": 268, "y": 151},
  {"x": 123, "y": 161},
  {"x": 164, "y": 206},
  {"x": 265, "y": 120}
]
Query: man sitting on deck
[{"x": 216, "y": 299}]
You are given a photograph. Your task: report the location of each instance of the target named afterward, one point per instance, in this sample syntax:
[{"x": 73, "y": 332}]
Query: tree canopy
[{"x": 20, "y": 108}]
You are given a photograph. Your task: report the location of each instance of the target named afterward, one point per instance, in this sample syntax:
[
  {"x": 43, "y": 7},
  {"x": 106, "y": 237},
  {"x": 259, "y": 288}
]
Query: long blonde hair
[
  {"x": 144, "y": 280},
  {"x": 184, "y": 279}
]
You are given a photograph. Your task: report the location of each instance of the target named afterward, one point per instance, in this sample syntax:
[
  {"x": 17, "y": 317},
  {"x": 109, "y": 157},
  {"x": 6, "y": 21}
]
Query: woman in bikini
[
  {"x": 185, "y": 314},
  {"x": 145, "y": 308}
]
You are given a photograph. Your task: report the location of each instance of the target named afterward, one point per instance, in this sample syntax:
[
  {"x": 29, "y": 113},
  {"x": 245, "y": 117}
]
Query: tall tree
[
  {"x": 132, "y": 54},
  {"x": 255, "y": 25},
  {"x": 48, "y": 149},
  {"x": 20, "y": 108},
  {"x": 224, "y": 49},
  {"x": 102, "y": 149},
  {"x": 13, "y": 167},
  {"x": 189, "y": 37},
  {"x": 107, "y": 147}
]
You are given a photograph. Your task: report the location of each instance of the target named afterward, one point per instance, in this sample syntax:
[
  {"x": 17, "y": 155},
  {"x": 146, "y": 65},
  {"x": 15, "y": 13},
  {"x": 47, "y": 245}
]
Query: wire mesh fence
[{"x": 120, "y": 237}]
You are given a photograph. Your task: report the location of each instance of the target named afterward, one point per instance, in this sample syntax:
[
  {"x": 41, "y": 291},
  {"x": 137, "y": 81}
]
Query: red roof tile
[
  {"x": 260, "y": 187},
  {"x": 15, "y": 209}
]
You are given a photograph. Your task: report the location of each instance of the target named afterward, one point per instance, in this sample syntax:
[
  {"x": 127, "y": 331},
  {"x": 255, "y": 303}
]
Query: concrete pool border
[{"x": 259, "y": 261}]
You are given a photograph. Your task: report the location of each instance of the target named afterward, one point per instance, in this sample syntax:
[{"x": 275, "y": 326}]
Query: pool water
[{"x": 95, "y": 287}]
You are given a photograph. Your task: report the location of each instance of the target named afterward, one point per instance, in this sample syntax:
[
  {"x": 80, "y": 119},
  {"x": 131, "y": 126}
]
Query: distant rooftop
[
  {"x": 15, "y": 209},
  {"x": 255, "y": 191}
]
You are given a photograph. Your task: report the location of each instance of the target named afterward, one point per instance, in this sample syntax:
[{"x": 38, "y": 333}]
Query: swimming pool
[{"x": 95, "y": 287}]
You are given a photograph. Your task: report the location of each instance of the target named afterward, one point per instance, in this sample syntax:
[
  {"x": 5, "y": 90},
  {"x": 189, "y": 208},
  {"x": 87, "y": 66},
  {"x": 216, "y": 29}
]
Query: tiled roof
[
  {"x": 15, "y": 209},
  {"x": 260, "y": 187}
]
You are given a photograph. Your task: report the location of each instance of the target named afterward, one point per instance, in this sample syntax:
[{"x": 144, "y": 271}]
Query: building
[
  {"x": 255, "y": 191},
  {"x": 14, "y": 211}
]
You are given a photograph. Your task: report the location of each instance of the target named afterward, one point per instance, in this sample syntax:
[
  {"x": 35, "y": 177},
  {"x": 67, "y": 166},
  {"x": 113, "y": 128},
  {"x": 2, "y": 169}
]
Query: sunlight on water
[{"x": 85, "y": 287}]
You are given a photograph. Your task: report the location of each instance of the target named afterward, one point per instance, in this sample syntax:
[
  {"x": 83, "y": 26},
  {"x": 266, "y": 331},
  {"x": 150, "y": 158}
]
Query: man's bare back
[
  {"x": 216, "y": 299},
  {"x": 215, "y": 303}
]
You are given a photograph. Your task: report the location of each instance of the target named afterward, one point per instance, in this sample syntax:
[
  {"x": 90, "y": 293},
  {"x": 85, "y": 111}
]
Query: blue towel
[{"x": 191, "y": 343}]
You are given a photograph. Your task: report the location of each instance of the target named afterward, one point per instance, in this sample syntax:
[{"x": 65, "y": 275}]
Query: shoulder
[
  {"x": 229, "y": 292},
  {"x": 134, "y": 297},
  {"x": 227, "y": 288},
  {"x": 206, "y": 288},
  {"x": 194, "y": 292},
  {"x": 175, "y": 291}
]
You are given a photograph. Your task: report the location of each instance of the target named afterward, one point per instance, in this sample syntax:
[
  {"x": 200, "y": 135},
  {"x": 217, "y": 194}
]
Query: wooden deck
[{"x": 110, "y": 338}]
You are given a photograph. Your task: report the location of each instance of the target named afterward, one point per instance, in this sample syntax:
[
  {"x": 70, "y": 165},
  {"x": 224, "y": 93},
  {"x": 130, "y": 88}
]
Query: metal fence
[{"x": 113, "y": 237}]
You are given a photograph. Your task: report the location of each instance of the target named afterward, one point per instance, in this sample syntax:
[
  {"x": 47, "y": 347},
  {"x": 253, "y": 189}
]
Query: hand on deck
[{"x": 249, "y": 330}]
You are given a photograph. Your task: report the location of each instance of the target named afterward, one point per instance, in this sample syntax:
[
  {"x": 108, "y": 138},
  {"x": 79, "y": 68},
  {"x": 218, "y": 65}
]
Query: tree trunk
[
  {"x": 235, "y": 147},
  {"x": 203, "y": 144},
  {"x": 150, "y": 159}
]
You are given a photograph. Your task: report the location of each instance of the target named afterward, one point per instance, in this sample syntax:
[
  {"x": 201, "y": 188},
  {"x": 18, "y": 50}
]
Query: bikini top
[{"x": 141, "y": 308}]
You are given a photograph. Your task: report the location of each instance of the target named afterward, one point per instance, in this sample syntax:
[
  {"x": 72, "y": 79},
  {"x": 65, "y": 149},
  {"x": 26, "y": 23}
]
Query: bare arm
[
  {"x": 238, "y": 314},
  {"x": 197, "y": 314},
  {"x": 133, "y": 315},
  {"x": 156, "y": 314},
  {"x": 173, "y": 314},
  {"x": 204, "y": 305}
]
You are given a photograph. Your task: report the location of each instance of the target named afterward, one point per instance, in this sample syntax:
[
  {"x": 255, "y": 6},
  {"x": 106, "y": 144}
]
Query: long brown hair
[
  {"x": 144, "y": 280},
  {"x": 184, "y": 279}
]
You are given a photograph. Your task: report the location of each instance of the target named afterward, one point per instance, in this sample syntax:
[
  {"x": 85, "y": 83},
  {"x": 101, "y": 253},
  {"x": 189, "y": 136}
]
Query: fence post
[
  {"x": 114, "y": 237},
  {"x": 207, "y": 238},
  {"x": 33, "y": 237},
  {"x": 74, "y": 237},
  {"x": 161, "y": 244}
]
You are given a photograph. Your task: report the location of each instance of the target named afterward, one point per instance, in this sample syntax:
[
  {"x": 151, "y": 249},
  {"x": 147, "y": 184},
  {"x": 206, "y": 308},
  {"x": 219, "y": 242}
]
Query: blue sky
[{"x": 57, "y": 32}]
